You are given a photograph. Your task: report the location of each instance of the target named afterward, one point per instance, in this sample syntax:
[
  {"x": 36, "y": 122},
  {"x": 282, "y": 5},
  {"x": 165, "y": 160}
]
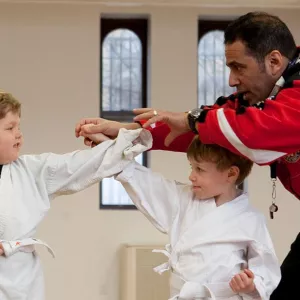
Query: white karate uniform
[
  {"x": 208, "y": 244},
  {"x": 26, "y": 187}
]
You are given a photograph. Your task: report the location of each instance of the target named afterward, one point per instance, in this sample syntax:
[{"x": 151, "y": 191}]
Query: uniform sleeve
[
  {"x": 263, "y": 262},
  {"x": 262, "y": 135},
  {"x": 72, "y": 172},
  {"x": 155, "y": 196}
]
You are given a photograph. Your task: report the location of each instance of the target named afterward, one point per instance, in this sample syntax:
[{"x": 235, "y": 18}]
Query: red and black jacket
[{"x": 265, "y": 132}]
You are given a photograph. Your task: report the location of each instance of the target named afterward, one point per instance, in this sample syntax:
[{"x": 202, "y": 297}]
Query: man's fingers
[
  {"x": 85, "y": 121},
  {"x": 138, "y": 111},
  {"x": 78, "y": 127},
  {"x": 92, "y": 129},
  {"x": 108, "y": 128},
  {"x": 153, "y": 120},
  {"x": 146, "y": 114},
  {"x": 171, "y": 137}
]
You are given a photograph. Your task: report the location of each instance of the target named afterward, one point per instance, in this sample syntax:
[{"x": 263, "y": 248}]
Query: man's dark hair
[{"x": 261, "y": 33}]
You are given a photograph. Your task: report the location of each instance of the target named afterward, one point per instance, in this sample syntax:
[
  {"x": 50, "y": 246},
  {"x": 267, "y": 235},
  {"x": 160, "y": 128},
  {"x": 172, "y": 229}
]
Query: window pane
[
  {"x": 121, "y": 71},
  {"x": 123, "y": 86},
  {"x": 113, "y": 192},
  {"x": 213, "y": 74}
]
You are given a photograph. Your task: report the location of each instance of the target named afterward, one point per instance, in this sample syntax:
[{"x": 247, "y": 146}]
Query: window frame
[
  {"x": 140, "y": 27},
  {"x": 205, "y": 26}
]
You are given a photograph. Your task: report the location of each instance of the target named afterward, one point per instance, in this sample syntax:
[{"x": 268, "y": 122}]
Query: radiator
[{"x": 138, "y": 280}]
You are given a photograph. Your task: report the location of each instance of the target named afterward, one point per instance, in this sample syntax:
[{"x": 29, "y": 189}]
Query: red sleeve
[
  {"x": 181, "y": 144},
  {"x": 160, "y": 132},
  {"x": 263, "y": 135}
]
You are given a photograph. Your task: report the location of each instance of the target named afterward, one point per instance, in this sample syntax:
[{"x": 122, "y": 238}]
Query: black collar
[{"x": 293, "y": 66}]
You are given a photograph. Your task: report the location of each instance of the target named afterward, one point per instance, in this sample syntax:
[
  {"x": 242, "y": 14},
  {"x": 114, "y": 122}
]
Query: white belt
[
  {"x": 195, "y": 290},
  {"x": 23, "y": 245},
  {"x": 192, "y": 290},
  {"x": 165, "y": 266}
]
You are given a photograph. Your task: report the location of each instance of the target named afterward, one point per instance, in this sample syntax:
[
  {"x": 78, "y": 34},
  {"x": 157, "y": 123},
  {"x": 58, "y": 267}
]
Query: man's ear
[{"x": 275, "y": 63}]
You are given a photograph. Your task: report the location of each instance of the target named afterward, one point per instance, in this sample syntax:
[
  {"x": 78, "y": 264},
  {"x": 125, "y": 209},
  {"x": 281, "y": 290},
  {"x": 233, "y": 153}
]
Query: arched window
[
  {"x": 123, "y": 86},
  {"x": 121, "y": 73},
  {"x": 213, "y": 74}
]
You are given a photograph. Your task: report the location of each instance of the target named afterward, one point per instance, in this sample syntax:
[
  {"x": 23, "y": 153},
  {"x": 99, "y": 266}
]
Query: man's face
[{"x": 249, "y": 76}]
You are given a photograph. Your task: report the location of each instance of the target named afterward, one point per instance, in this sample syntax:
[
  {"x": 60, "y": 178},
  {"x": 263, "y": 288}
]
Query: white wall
[{"x": 49, "y": 59}]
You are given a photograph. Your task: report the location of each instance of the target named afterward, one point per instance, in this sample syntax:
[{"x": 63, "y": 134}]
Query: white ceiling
[{"x": 183, "y": 3}]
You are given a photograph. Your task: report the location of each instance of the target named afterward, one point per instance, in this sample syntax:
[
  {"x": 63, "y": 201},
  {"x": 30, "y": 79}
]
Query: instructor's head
[{"x": 258, "y": 48}]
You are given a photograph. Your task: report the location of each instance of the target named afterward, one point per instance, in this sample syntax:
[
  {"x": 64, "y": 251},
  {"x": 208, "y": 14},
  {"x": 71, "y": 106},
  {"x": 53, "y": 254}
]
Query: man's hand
[
  {"x": 1, "y": 250},
  {"x": 178, "y": 122},
  {"x": 243, "y": 282},
  {"x": 106, "y": 127},
  {"x": 92, "y": 139}
]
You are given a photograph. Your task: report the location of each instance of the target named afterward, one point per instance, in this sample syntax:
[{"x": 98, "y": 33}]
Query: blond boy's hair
[
  {"x": 223, "y": 158},
  {"x": 8, "y": 103}
]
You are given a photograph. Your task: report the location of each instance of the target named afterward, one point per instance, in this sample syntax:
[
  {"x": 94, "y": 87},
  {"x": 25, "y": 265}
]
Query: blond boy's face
[
  {"x": 11, "y": 138},
  {"x": 207, "y": 181}
]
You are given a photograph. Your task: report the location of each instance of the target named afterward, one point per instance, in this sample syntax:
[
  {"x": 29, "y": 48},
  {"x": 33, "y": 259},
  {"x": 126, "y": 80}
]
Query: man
[{"x": 261, "y": 121}]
